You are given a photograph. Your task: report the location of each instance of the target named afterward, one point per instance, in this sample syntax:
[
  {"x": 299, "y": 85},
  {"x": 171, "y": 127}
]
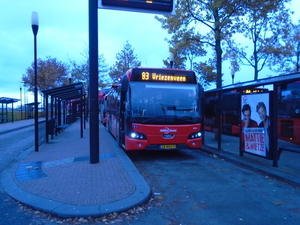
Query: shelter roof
[
  {"x": 32, "y": 103},
  {"x": 281, "y": 79},
  {"x": 67, "y": 92},
  {"x": 5, "y": 100}
]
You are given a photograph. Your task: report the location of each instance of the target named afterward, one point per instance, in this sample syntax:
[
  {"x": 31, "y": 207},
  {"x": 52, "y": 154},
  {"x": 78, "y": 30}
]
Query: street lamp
[
  {"x": 21, "y": 100},
  {"x": 232, "y": 77},
  {"x": 70, "y": 78},
  {"x": 35, "y": 28},
  {"x": 171, "y": 58}
]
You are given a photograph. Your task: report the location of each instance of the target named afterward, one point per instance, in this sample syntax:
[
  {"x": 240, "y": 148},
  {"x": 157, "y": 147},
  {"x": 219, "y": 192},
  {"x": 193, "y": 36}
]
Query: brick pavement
[{"x": 60, "y": 174}]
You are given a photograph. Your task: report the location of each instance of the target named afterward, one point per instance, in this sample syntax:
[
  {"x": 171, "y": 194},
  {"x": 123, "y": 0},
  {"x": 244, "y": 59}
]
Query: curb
[
  {"x": 19, "y": 128},
  {"x": 242, "y": 162}
]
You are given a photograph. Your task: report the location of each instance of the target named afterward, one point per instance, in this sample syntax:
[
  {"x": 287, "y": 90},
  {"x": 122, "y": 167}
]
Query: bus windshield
[{"x": 164, "y": 103}]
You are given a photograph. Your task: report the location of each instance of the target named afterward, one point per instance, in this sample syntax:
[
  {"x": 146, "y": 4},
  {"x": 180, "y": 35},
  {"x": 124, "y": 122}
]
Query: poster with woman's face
[{"x": 255, "y": 124}]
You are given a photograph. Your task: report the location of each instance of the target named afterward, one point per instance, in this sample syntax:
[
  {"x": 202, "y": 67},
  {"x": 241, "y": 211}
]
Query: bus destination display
[
  {"x": 163, "y": 75},
  {"x": 148, "y": 76}
]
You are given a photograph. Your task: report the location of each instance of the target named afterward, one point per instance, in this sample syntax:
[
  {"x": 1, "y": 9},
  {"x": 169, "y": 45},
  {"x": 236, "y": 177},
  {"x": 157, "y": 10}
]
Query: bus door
[{"x": 124, "y": 109}]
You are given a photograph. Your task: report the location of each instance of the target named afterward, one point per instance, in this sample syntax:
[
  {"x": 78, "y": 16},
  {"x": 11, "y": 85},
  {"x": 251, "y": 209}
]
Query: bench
[
  {"x": 288, "y": 148},
  {"x": 61, "y": 127},
  {"x": 3, "y": 118}
]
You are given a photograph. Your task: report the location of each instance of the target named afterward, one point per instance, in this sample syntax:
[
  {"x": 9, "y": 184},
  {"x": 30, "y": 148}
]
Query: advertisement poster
[{"x": 255, "y": 124}]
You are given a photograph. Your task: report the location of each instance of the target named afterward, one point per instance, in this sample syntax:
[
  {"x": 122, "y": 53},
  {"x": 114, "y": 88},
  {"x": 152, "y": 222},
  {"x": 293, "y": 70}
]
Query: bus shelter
[
  {"x": 29, "y": 110},
  {"x": 4, "y": 110},
  {"x": 261, "y": 117},
  {"x": 67, "y": 103}
]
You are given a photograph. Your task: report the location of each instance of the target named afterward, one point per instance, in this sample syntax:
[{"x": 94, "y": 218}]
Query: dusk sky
[{"x": 63, "y": 34}]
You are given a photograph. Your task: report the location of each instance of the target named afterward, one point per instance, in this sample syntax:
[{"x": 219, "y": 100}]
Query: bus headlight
[
  {"x": 195, "y": 135},
  {"x": 135, "y": 135}
]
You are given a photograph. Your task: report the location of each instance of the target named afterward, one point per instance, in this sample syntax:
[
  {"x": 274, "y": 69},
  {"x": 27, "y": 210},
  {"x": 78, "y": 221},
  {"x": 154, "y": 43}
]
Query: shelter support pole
[
  {"x": 81, "y": 114},
  {"x": 218, "y": 126},
  {"x": 64, "y": 112},
  {"x": 47, "y": 117},
  {"x": 59, "y": 112},
  {"x": 12, "y": 112},
  {"x": 273, "y": 125}
]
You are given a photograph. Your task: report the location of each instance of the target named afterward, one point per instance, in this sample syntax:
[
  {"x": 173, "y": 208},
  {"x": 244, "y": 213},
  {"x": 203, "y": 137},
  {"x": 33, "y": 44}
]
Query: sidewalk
[
  {"x": 288, "y": 170},
  {"x": 60, "y": 180}
]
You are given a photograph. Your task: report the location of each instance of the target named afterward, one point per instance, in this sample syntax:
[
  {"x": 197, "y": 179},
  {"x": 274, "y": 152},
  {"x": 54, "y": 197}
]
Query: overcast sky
[{"x": 63, "y": 34}]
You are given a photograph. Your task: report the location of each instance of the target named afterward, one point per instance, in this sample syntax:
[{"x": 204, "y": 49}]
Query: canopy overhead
[
  {"x": 68, "y": 92},
  {"x": 281, "y": 79}
]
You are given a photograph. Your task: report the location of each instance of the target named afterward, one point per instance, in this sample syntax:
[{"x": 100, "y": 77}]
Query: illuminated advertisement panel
[{"x": 255, "y": 125}]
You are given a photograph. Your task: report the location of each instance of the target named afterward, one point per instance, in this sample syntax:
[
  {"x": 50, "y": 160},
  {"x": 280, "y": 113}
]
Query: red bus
[
  {"x": 289, "y": 112},
  {"x": 155, "y": 109},
  {"x": 288, "y": 104},
  {"x": 102, "y": 95},
  {"x": 230, "y": 110}
]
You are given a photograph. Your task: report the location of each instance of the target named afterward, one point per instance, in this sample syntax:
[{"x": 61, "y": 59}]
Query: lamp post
[
  {"x": 298, "y": 54},
  {"x": 35, "y": 28},
  {"x": 70, "y": 78},
  {"x": 171, "y": 58},
  {"x": 232, "y": 76},
  {"x": 21, "y": 100}
]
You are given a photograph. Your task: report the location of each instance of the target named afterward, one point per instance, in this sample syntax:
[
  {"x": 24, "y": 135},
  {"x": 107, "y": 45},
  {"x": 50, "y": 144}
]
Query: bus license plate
[{"x": 167, "y": 146}]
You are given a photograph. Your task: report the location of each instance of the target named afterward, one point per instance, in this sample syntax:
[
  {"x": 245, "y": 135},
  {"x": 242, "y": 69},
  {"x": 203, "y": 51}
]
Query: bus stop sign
[{"x": 148, "y": 6}]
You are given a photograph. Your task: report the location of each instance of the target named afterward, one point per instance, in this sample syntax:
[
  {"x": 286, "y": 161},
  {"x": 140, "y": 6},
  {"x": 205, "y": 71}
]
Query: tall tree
[
  {"x": 207, "y": 22},
  {"x": 185, "y": 51},
  {"x": 288, "y": 59},
  {"x": 126, "y": 59},
  {"x": 80, "y": 71},
  {"x": 207, "y": 71},
  {"x": 51, "y": 73},
  {"x": 265, "y": 24}
]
